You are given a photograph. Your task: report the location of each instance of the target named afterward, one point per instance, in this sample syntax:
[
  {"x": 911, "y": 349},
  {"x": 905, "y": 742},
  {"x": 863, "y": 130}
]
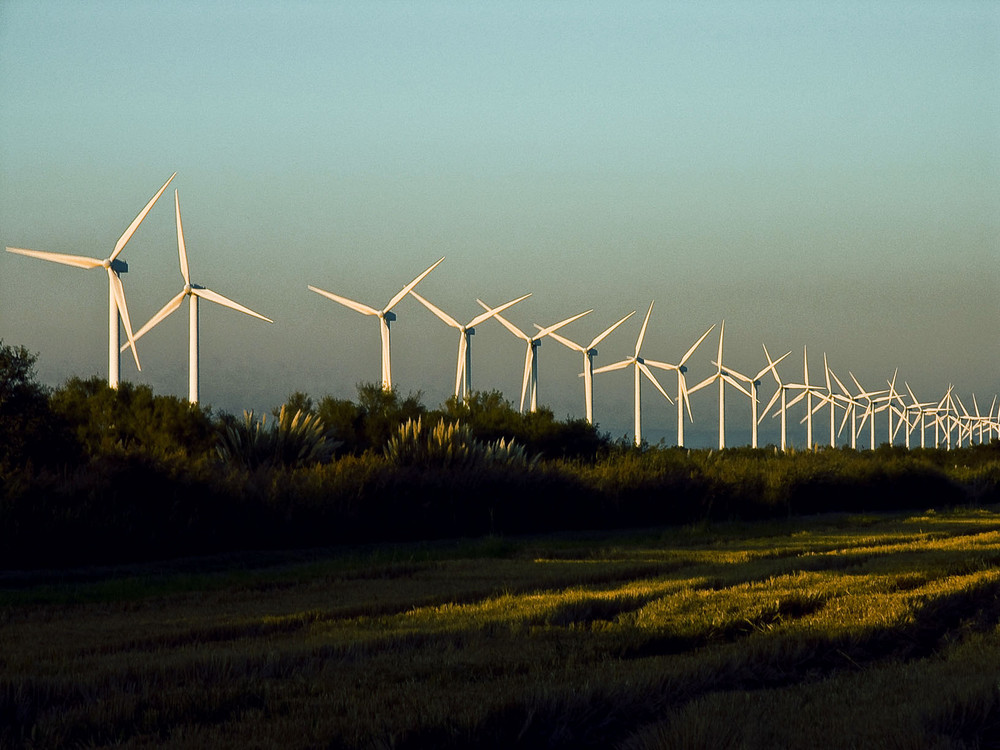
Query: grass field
[{"x": 833, "y": 631}]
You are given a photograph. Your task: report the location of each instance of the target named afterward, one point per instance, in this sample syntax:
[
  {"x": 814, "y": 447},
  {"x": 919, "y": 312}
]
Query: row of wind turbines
[{"x": 904, "y": 411}]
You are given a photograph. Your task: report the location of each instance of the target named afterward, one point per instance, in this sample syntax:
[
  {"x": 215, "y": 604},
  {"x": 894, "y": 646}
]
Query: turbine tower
[
  {"x": 116, "y": 292},
  {"x": 589, "y": 352},
  {"x": 385, "y": 317},
  {"x": 640, "y": 366},
  {"x": 463, "y": 373},
  {"x": 193, "y": 292},
  {"x": 529, "y": 384}
]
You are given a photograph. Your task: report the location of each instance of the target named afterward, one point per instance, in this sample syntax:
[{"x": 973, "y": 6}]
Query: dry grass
[{"x": 835, "y": 632}]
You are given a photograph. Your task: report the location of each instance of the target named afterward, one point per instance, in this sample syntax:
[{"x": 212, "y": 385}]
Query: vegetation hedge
[{"x": 90, "y": 474}]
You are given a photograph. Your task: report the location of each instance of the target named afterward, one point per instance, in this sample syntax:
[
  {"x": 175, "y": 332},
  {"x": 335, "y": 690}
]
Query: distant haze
[{"x": 816, "y": 174}]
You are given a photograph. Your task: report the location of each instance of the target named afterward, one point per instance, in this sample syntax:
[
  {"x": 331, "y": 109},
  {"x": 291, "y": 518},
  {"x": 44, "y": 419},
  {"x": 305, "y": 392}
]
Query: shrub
[
  {"x": 451, "y": 445},
  {"x": 295, "y": 439}
]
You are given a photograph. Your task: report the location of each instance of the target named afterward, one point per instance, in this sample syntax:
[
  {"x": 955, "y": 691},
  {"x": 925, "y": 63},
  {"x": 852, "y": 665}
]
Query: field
[{"x": 830, "y": 631}]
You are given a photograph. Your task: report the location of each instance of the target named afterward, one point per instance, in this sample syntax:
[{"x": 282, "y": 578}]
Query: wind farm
[
  {"x": 949, "y": 417},
  {"x": 518, "y": 375}
]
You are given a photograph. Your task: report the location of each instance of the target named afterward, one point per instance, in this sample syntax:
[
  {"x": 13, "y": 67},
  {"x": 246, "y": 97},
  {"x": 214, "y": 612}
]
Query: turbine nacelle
[{"x": 117, "y": 265}]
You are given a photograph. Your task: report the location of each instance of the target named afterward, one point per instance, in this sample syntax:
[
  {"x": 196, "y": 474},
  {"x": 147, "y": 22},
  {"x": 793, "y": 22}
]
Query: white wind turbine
[
  {"x": 941, "y": 415},
  {"x": 193, "y": 292},
  {"x": 463, "y": 373},
  {"x": 589, "y": 352},
  {"x": 639, "y": 365},
  {"x": 962, "y": 422},
  {"x": 808, "y": 391},
  {"x": 830, "y": 398},
  {"x": 116, "y": 292},
  {"x": 919, "y": 407},
  {"x": 722, "y": 376},
  {"x": 754, "y": 384},
  {"x": 529, "y": 384},
  {"x": 682, "y": 389},
  {"x": 781, "y": 392},
  {"x": 851, "y": 404},
  {"x": 872, "y": 398},
  {"x": 385, "y": 317}
]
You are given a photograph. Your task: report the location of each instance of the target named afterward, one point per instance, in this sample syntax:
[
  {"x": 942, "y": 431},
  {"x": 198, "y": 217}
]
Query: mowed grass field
[{"x": 835, "y": 631}]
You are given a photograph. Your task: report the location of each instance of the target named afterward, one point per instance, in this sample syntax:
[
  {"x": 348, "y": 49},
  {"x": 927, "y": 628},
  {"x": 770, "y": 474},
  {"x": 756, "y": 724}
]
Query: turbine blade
[
  {"x": 839, "y": 383},
  {"x": 226, "y": 302},
  {"x": 406, "y": 289},
  {"x": 127, "y": 235},
  {"x": 607, "y": 331},
  {"x": 119, "y": 292},
  {"x": 697, "y": 343},
  {"x": 505, "y": 323},
  {"x": 735, "y": 384},
  {"x": 649, "y": 374},
  {"x": 660, "y": 365},
  {"x": 847, "y": 414},
  {"x": 364, "y": 309},
  {"x": 490, "y": 313},
  {"x": 642, "y": 331},
  {"x": 181, "y": 248},
  {"x": 738, "y": 375},
  {"x": 707, "y": 381},
  {"x": 770, "y": 403},
  {"x": 80, "y": 261},
  {"x": 616, "y": 366},
  {"x": 566, "y": 342},
  {"x": 463, "y": 345},
  {"x": 168, "y": 308},
  {"x": 527, "y": 375},
  {"x": 437, "y": 311},
  {"x": 722, "y": 334},
  {"x": 546, "y": 331},
  {"x": 772, "y": 365},
  {"x": 682, "y": 383}
]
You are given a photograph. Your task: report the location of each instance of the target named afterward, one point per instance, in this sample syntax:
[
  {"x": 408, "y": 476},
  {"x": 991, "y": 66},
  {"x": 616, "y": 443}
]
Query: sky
[{"x": 818, "y": 175}]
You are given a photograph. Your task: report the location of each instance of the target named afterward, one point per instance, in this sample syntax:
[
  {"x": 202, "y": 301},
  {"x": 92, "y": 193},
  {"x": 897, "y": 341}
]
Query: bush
[{"x": 297, "y": 439}]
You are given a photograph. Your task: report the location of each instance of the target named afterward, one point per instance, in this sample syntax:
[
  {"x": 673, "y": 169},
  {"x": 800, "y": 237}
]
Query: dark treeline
[{"x": 90, "y": 474}]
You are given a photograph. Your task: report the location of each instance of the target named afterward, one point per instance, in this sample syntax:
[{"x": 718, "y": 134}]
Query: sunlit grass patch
[{"x": 666, "y": 638}]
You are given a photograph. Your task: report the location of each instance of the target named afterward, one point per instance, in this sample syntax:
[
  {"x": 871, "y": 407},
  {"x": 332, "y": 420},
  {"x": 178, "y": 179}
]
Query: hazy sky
[{"x": 821, "y": 174}]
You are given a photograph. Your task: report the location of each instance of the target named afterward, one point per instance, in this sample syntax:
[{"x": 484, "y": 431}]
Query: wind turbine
[
  {"x": 808, "y": 390},
  {"x": 193, "y": 292},
  {"x": 463, "y": 373},
  {"x": 754, "y": 384},
  {"x": 851, "y": 404},
  {"x": 872, "y": 398},
  {"x": 116, "y": 292},
  {"x": 682, "y": 389},
  {"x": 919, "y": 407},
  {"x": 385, "y": 317},
  {"x": 722, "y": 376},
  {"x": 828, "y": 398},
  {"x": 640, "y": 366},
  {"x": 589, "y": 352},
  {"x": 529, "y": 384},
  {"x": 780, "y": 392}
]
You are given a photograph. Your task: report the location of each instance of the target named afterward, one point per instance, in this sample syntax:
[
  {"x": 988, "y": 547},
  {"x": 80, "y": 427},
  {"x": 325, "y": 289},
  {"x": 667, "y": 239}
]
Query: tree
[
  {"x": 132, "y": 418},
  {"x": 29, "y": 431}
]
